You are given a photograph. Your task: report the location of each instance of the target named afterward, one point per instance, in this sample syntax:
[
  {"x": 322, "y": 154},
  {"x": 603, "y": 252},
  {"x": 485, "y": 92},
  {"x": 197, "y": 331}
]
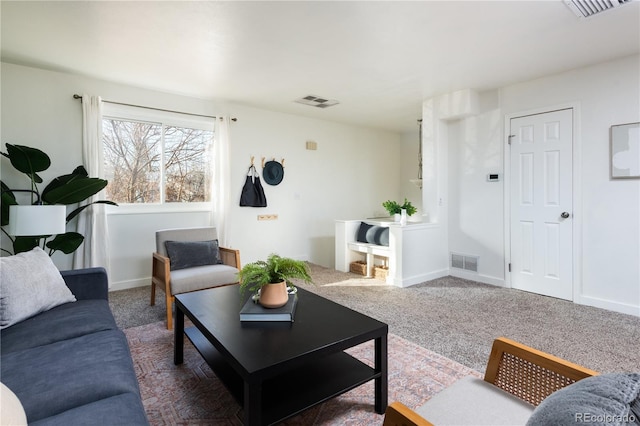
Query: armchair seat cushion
[
  {"x": 474, "y": 401},
  {"x": 200, "y": 277}
]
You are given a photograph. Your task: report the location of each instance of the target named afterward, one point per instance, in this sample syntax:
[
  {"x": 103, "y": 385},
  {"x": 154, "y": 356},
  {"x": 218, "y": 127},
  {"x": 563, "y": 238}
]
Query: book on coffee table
[{"x": 253, "y": 311}]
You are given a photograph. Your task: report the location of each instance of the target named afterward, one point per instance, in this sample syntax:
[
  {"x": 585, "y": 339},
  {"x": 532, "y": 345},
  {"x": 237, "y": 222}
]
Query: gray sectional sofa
[{"x": 71, "y": 365}]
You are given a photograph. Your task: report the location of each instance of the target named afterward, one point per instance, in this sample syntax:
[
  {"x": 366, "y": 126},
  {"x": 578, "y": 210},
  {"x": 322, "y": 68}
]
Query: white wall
[
  {"x": 609, "y": 213},
  {"x": 353, "y": 170},
  {"x": 607, "y": 94},
  {"x": 476, "y": 213}
]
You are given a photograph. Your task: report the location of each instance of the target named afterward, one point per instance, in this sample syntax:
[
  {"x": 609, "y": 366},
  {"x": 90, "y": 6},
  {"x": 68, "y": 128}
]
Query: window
[{"x": 152, "y": 157}]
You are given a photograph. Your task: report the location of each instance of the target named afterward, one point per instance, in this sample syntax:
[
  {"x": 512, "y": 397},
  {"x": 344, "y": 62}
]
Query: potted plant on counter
[
  {"x": 395, "y": 209},
  {"x": 271, "y": 279}
]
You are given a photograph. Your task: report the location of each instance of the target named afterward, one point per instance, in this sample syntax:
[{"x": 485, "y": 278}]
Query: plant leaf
[
  {"x": 23, "y": 244},
  {"x": 78, "y": 173},
  {"x": 8, "y": 199},
  {"x": 28, "y": 160},
  {"x": 66, "y": 243},
  {"x": 74, "y": 190},
  {"x": 77, "y": 211}
]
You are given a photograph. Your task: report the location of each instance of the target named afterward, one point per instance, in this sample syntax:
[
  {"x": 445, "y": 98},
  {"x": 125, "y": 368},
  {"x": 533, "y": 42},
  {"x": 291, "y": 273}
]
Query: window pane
[
  {"x": 132, "y": 153},
  {"x": 187, "y": 164}
]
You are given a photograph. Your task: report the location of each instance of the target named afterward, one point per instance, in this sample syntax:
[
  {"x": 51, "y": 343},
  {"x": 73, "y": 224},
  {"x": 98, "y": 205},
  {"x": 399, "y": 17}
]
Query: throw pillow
[
  {"x": 362, "y": 232},
  {"x": 188, "y": 254},
  {"x": 373, "y": 234},
  {"x": 30, "y": 284},
  {"x": 12, "y": 412},
  {"x": 599, "y": 400}
]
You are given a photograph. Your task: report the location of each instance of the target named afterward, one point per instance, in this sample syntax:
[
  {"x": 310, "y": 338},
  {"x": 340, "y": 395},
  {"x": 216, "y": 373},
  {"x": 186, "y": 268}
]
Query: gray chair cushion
[
  {"x": 188, "y": 254},
  {"x": 599, "y": 400},
  {"x": 472, "y": 401},
  {"x": 200, "y": 277},
  {"x": 183, "y": 234}
]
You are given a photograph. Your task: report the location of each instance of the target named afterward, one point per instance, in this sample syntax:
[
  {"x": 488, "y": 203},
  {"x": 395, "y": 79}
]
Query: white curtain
[
  {"x": 92, "y": 222},
  {"x": 221, "y": 181}
]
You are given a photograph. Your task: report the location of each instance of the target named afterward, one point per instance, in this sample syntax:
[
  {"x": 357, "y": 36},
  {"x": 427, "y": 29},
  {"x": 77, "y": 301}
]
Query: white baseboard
[
  {"x": 623, "y": 308},
  {"x": 486, "y": 279},
  {"x": 124, "y": 285},
  {"x": 417, "y": 279}
]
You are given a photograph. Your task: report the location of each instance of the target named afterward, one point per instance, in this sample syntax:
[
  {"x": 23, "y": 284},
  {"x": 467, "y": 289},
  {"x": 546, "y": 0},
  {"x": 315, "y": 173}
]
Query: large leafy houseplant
[
  {"x": 254, "y": 276},
  {"x": 71, "y": 189}
]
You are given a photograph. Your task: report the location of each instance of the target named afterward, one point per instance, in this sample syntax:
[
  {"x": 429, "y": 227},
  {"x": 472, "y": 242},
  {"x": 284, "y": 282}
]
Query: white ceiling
[{"x": 379, "y": 59}]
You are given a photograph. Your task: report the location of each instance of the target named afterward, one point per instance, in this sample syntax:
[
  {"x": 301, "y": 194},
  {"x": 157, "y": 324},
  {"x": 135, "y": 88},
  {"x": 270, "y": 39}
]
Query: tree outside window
[{"x": 156, "y": 163}]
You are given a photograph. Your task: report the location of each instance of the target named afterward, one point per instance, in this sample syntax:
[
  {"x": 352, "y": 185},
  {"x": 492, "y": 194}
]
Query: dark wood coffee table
[{"x": 278, "y": 369}]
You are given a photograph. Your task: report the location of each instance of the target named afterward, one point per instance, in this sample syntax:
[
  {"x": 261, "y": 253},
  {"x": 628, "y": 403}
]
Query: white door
[{"x": 541, "y": 203}]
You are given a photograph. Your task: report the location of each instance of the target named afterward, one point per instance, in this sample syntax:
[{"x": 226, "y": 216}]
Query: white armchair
[{"x": 180, "y": 279}]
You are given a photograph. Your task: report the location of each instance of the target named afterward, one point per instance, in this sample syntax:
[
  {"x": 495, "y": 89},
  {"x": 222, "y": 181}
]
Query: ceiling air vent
[
  {"x": 317, "y": 101},
  {"x": 588, "y": 8}
]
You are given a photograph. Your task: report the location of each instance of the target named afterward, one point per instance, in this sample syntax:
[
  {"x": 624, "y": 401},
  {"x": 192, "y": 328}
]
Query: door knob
[{"x": 564, "y": 215}]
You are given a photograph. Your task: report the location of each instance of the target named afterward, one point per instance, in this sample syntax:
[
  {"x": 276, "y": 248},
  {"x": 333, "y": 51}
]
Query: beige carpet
[
  {"x": 190, "y": 394},
  {"x": 458, "y": 318}
]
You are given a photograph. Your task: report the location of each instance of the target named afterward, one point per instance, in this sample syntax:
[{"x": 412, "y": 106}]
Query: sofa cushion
[
  {"x": 200, "y": 277},
  {"x": 473, "y": 401},
  {"x": 598, "y": 400},
  {"x": 188, "y": 254},
  {"x": 124, "y": 409},
  {"x": 55, "y": 378},
  {"x": 12, "y": 412},
  {"x": 29, "y": 284},
  {"x": 63, "y": 322}
]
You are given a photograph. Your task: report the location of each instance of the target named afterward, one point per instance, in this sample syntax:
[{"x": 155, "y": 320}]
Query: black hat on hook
[{"x": 273, "y": 172}]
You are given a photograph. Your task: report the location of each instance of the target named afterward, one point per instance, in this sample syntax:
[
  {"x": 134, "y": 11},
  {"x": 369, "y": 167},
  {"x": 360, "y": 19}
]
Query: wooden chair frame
[
  {"x": 161, "y": 277},
  {"x": 527, "y": 373}
]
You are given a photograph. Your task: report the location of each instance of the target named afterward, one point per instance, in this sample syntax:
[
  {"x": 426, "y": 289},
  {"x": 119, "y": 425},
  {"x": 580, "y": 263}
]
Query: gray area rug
[{"x": 458, "y": 318}]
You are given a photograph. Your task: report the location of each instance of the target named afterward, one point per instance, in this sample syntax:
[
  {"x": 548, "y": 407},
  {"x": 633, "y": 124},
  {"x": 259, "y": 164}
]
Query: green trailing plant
[
  {"x": 254, "y": 276},
  {"x": 393, "y": 207},
  {"x": 71, "y": 189}
]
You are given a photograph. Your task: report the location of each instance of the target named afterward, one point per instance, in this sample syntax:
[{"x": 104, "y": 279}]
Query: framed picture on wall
[{"x": 625, "y": 151}]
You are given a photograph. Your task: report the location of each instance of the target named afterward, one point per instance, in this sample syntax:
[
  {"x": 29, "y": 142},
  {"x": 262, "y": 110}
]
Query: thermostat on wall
[{"x": 494, "y": 177}]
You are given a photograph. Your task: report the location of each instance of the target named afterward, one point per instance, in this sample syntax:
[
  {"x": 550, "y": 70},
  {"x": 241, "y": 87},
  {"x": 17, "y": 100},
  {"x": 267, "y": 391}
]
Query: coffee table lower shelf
[{"x": 295, "y": 390}]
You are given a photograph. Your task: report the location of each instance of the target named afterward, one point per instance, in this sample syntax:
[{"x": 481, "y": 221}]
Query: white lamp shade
[{"x": 37, "y": 220}]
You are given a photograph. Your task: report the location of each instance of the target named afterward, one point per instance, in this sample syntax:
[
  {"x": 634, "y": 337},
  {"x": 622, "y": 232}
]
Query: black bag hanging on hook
[{"x": 252, "y": 192}]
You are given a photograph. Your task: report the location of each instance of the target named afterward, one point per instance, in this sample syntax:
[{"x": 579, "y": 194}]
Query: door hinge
[
  {"x": 509, "y": 267},
  {"x": 509, "y": 138}
]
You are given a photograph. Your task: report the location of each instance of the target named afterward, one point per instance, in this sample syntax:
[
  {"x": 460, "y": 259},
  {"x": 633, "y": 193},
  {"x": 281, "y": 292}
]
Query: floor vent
[
  {"x": 588, "y": 8},
  {"x": 461, "y": 261}
]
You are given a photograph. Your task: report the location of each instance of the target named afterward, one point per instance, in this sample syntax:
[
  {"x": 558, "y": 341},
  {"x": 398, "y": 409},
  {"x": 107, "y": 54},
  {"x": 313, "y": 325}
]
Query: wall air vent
[
  {"x": 317, "y": 101},
  {"x": 588, "y": 8},
  {"x": 463, "y": 261}
]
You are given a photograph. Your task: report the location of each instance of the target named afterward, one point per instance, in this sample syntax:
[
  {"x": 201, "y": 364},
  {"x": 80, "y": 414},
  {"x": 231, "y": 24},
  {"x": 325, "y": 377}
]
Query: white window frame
[{"x": 164, "y": 118}]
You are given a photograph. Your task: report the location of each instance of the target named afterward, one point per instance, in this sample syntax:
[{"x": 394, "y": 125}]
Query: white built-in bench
[
  {"x": 409, "y": 258},
  {"x": 370, "y": 251}
]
